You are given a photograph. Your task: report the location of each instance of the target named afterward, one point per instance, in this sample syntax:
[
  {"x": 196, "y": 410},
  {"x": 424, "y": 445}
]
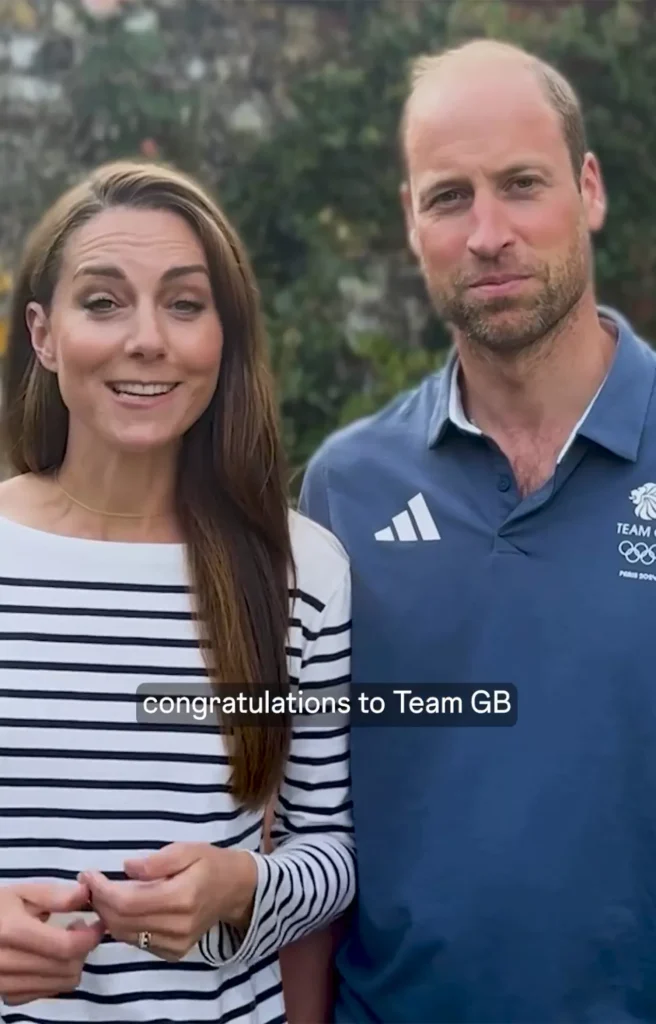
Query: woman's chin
[{"x": 139, "y": 441}]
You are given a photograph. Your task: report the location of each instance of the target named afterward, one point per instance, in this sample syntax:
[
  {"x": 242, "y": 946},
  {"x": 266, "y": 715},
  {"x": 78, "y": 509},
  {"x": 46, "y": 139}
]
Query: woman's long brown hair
[{"x": 231, "y": 490}]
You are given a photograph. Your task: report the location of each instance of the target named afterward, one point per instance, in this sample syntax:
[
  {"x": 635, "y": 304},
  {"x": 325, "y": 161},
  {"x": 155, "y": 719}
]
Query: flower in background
[
  {"x": 102, "y": 8},
  {"x": 149, "y": 149}
]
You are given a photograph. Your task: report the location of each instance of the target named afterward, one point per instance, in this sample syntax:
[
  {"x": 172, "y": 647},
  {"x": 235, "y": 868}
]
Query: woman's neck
[
  {"x": 99, "y": 495},
  {"x": 123, "y": 496}
]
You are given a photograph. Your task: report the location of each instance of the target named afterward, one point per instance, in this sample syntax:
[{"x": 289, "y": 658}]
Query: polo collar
[{"x": 615, "y": 417}]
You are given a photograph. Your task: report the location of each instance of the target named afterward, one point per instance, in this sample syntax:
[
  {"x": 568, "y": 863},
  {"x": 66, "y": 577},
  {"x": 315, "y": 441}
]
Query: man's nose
[{"x": 491, "y": 231}]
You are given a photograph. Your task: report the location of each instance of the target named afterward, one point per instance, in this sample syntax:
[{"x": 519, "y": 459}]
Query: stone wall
[{"x": 233, "y": 57}]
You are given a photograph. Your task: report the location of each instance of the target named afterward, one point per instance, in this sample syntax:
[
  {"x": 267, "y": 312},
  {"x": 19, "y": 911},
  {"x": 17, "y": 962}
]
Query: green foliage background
[{"x": 317, "y": 200}]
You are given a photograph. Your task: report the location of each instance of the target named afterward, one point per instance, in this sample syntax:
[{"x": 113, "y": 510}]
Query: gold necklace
[{"x": 99, "y": 512}]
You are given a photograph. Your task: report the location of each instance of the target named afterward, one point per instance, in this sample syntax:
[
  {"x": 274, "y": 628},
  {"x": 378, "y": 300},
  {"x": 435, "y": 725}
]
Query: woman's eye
[
  {"x": 187, "y": 306},
  {"x": 100, "y": 305},
  {"x": 103, "y": 304}
]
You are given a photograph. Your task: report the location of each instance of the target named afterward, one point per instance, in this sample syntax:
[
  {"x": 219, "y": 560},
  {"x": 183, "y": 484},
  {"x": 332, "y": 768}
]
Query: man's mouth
[
  {"x": 497, "y": 280},
  {"x": 141, "y": 389}
]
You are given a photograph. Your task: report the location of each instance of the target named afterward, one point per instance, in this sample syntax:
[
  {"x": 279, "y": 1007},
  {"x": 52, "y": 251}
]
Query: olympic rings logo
[{"x": 640, "y": 552}]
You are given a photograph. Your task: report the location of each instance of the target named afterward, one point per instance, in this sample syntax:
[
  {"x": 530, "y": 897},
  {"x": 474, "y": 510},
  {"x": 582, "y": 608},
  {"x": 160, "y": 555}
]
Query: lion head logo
[{"x": 644, "y": 499}]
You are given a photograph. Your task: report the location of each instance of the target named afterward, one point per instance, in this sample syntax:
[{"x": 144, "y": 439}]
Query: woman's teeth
[{"x": 142, "y": 389}]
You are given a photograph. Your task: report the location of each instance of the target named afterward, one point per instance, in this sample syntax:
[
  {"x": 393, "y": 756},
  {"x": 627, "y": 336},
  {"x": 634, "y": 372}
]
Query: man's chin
[
  {"x": 482, "y": 306},
  {"x": 502, "y": 327}
]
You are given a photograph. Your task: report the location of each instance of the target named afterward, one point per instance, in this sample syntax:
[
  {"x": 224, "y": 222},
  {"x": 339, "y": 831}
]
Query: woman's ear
[{"x": 40, "y": 335}]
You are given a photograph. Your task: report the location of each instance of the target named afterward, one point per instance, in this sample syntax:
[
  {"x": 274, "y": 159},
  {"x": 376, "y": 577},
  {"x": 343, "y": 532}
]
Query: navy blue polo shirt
[{"x": 505, "y": 874}]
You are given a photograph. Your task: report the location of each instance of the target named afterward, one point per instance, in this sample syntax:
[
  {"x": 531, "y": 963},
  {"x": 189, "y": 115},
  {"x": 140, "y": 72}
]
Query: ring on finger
[{"x": 144, "y": 940}]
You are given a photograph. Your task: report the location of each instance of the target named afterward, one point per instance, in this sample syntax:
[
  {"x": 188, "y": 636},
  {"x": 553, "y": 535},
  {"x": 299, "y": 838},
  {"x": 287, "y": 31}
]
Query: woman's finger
[
  {"x": 134, "y": 899},
  {"x": 22, "y": 986},
  {"x": 30, "y": 935},
  {"x": 167, "y": 926},
  {"x": 13, "y": 962},
  {"x": 166, "y": 947},
  {"x": 169, "y": 936}
]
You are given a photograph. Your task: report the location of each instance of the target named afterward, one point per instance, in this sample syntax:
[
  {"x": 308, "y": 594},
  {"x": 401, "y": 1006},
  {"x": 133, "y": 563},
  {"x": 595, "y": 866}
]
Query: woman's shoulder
[
  {"x": 322, "y": 564},
  {"x": 21, "y": 506},
  {"x": 16, "y": 496}
]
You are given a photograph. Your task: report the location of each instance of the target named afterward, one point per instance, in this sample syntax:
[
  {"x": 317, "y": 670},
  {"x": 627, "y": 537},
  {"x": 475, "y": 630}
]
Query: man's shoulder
[
  {"x": 322, "y": 564},
  {"x": 648, "y": 350},
  {"x": 398, "y": 424}
]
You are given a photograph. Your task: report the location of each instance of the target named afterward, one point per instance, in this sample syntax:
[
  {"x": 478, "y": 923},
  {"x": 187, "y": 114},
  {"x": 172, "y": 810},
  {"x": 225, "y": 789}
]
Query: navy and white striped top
[{"x": 83, "y": 785}]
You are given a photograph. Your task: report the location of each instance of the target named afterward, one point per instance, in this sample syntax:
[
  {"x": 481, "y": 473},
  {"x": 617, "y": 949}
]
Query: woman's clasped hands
[
  {"x": 175, "y": 896},
  {"x": 167, "y": 902}
]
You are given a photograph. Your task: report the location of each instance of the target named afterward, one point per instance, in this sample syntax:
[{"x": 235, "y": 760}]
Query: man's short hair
[{"x": 557, "y": 90}]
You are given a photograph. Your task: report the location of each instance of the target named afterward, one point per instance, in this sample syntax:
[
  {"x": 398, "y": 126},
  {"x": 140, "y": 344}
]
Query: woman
[{"x": 146, "y": 540}]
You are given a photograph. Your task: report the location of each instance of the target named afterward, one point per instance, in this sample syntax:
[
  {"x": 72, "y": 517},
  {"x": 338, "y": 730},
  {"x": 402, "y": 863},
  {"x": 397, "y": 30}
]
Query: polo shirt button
[{"x": 503, "y": 482}]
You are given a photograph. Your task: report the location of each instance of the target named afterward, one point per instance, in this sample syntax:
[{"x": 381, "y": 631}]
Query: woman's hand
[
  {"x": 40, "y": 960},
  {"x": 175, "y": 896}
]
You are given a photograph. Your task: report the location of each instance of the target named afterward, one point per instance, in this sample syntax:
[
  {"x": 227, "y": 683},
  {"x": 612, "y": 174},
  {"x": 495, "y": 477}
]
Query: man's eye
[
  {"x": 449, "y": 196},
  {"x": 524, "y": 183}
]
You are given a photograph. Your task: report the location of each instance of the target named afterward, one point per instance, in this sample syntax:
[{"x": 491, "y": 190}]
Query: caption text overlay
[{"x": 439, "y": 704}]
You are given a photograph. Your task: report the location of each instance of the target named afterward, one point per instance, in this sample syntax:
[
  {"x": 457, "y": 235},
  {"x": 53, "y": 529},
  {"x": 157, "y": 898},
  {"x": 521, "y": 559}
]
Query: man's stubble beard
[{"x": 515, "y": 324}]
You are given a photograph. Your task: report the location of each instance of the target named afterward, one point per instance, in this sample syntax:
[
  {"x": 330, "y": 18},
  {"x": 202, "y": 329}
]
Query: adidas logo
[{"x": 415, "y": 523}]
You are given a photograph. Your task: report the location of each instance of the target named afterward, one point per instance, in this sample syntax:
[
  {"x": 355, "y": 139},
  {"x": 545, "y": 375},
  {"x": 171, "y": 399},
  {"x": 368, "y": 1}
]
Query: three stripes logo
[{"x": 414, "y": 523}]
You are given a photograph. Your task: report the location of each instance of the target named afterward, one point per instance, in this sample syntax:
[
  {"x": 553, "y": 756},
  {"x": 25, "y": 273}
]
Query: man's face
[{"x": 498, "y": 220}]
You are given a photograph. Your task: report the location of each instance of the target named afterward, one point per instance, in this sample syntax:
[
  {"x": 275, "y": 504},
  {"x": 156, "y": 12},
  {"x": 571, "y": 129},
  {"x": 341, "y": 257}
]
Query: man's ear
[
  {"x": 40, "y": 335},
  {"x": 593, "y": 192},
  {"x": 411, "y": 231}
]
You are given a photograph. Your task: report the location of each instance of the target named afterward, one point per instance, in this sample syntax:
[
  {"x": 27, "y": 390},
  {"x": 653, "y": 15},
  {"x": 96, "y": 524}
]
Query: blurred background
[{"x": 288, "y": 111}]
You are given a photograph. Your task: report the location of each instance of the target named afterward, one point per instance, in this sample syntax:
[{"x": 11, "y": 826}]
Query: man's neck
[{"x": 530, "y": 404}]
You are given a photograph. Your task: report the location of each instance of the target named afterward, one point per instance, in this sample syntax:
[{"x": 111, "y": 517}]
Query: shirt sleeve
[{"x": 309, "y": 877}]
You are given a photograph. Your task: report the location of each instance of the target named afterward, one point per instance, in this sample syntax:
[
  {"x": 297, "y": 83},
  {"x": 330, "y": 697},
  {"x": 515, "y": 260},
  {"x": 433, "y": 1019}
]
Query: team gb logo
[{"x": 644, "y": 499}]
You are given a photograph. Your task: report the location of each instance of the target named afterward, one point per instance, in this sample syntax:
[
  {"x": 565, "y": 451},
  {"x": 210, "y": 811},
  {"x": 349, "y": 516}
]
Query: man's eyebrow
[
  {"x": 108, "y": 270},
  {"x": 527, "y": 167}
]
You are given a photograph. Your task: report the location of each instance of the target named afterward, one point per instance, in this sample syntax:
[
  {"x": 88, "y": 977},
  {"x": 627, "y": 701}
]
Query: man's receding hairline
[
  {"x": 556, "y": 89},
  {"x": 428, "y": 62}
]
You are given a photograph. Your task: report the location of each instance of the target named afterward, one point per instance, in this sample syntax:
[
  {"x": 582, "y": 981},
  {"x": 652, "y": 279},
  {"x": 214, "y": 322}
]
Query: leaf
[{"x": 18, "y": 14}]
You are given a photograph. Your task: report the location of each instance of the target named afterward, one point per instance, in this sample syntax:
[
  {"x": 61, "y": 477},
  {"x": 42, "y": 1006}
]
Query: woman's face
[{"x": 133, "y": 333}]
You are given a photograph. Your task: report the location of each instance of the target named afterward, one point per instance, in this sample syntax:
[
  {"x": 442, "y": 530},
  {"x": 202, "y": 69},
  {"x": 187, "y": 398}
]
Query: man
[{"x": 499, "y": 522}]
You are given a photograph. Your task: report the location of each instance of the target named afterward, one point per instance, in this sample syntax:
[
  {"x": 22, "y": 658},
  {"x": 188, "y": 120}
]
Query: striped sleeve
[{"x": 309, "y": 877}]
